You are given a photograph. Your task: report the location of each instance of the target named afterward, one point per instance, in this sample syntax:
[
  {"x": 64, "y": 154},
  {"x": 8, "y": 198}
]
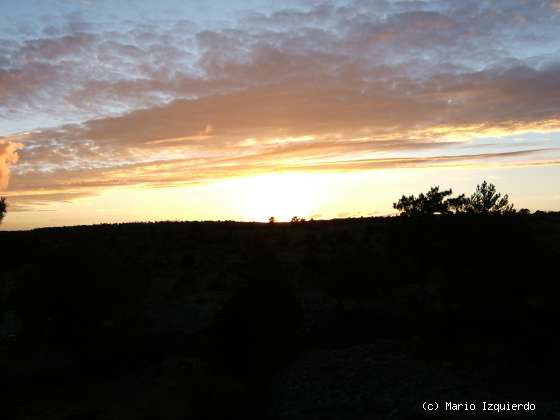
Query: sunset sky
[{"x": 114, "y": 111}]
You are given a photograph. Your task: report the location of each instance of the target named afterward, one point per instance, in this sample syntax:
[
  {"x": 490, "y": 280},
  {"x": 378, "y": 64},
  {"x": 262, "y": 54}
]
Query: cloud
[
  {"x": 36, "y": 199},
  {"x": 38, "y": 187},
  {"x": 95, "y": 70},
  {"x": 292, "y": 124},
  {"x": 328, "y": 85},
  {"x": 486, "y": 102},
  {"x": 8, "y": 156}
]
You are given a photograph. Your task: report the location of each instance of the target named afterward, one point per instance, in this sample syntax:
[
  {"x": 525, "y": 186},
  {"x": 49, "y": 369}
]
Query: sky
[{"x": 243, "y": 110}]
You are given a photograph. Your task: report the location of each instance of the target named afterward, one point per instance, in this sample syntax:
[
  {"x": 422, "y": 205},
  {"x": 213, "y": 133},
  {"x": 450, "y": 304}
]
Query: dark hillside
[{"x": 361, "y": 318}]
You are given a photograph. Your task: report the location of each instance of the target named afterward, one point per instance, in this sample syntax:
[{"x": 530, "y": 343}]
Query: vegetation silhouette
[
  {"x": 295, "y": 320},
  {"x": 3, "y": 208},
  {"x": 433, "y": 202},
  {"x": 485, "y": 200},
  {"x": 259, "y": 324}
]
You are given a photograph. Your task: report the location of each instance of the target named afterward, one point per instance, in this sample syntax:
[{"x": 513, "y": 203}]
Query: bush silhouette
[
  {"x": 3, "y": 207},
  {"x": 425, "y": 204}
]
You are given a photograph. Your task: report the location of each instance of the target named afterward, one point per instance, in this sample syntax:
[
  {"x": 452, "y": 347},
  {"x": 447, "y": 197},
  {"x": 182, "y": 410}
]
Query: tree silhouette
[
  {"x": 3, "y": 207},
  {"x": 272, "y": 219},
  {"x": 458, "y": 204},
  {"x": 425, "y": 204},
  {"x": 486, "y": 200}
]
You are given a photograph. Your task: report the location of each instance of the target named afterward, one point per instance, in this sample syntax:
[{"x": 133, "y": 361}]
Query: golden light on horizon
[{"x": 282, "y": 196}]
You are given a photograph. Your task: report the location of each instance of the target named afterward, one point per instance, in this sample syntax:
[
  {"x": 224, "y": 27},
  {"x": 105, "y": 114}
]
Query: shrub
[{"x": 3, "y": 208}]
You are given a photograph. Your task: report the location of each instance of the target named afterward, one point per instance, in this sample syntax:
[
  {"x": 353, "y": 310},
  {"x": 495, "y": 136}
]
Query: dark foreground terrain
[{"x": 343, "y": 319}]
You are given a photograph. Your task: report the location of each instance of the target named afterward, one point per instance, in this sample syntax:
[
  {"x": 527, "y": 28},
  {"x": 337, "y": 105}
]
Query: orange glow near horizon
[
  {"x": 282, "y": 196},
  {"x": 265, "y": 109}
]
